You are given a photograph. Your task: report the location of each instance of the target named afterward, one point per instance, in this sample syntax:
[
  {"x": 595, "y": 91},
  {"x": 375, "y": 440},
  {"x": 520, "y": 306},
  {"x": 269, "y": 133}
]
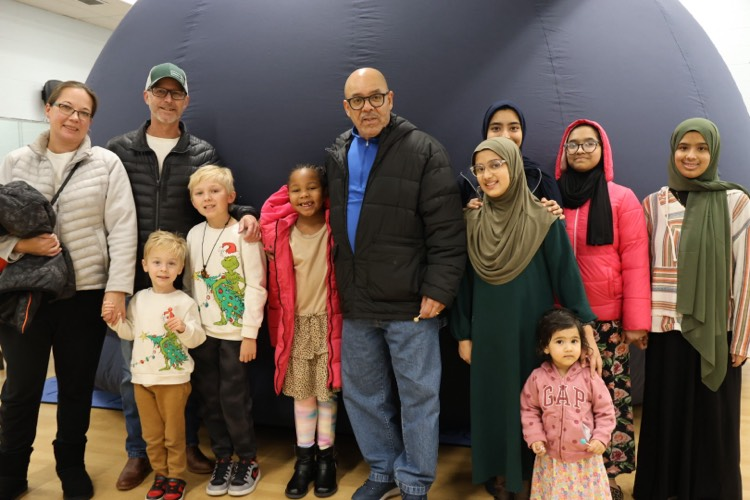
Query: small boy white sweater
[{"x": 160, "y": 356}]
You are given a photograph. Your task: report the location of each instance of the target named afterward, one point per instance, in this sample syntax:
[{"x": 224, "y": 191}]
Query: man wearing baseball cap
[{"x": 159, "y": 157}]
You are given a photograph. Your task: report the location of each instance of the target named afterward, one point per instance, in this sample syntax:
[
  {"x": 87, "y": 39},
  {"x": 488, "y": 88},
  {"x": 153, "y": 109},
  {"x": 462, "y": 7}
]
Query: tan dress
[{"x": 307, "y": 372}]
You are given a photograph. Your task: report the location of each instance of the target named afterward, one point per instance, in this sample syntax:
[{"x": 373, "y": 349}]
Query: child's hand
[
  {"x": 108, "y": 313},
  {"x": 176, "y": 324},
  {"x": 464, "y": 350},
  {"x": 538, "y": 448},
  {"x": 596, "y": 447},
  {"x": 249, "y": 229},
  {"x": 248, "y": 350}
]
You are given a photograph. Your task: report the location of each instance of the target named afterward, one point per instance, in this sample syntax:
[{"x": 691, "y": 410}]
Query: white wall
[
  {"x": 727, "y": 23},
  {"x": 36, "y": 46}
]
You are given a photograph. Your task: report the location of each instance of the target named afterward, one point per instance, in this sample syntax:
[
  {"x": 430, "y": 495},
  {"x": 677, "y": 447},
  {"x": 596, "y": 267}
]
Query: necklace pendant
[{"x": 204, "y": 273}]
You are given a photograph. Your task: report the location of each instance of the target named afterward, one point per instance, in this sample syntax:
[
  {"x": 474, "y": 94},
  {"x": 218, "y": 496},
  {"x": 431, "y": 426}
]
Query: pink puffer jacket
[
  {"x": 276, "y": 221},
  {"x": 616, "y": 277}
]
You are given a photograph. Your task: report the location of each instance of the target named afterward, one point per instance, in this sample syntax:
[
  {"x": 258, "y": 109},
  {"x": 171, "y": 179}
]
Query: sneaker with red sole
[
  {"x": 157, "y": 490},
  {"x": 175, "y": 489}
]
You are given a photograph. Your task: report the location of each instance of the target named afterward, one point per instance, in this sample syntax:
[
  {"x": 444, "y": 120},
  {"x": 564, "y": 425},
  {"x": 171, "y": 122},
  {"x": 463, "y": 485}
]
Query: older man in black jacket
[{"x": 400, "y": 253}]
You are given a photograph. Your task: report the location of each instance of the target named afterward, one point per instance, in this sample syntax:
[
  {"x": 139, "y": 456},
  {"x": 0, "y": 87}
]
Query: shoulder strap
[{"x": 67, "y": 178}]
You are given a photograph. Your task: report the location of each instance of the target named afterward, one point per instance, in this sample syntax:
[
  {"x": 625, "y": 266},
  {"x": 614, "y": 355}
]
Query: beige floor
[{"x": 105, "y": 457}]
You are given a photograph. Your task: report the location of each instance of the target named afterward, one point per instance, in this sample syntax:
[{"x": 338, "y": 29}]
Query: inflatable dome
[{"x": 266, "y": 83}]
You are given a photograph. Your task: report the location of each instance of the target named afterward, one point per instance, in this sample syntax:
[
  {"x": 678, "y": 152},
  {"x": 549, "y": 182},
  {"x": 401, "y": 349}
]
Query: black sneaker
[
  {"x": 245, "y": 477},
  {"x": 219, "y": 483}
]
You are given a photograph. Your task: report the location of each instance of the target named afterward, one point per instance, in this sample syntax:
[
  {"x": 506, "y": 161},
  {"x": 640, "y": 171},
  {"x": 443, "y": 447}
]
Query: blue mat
[{"x": 100, "y": 399}]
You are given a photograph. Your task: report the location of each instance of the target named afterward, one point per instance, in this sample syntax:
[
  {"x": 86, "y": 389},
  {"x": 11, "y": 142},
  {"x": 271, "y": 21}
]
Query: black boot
[
  {"x": 14, "y": 468},
  {"x": 325, "y": 478},
  {"x": 70, "y": 467},
  {"x": 525, "y": 492},
  {"x": 304, "y": 472}
]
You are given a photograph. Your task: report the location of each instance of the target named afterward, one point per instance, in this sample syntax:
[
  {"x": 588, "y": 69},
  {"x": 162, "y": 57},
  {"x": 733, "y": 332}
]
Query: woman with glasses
[
  {"x": 607, "y": 229},
  {"x": 520, "y": 263},
  {"x": 96, "y": 226},
  {"x": 504, "y": 119},
  {"x": 699, "y": 229}
]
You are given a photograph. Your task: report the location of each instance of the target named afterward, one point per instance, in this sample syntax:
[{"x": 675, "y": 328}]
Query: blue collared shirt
[{"x": 360, "y": 158}]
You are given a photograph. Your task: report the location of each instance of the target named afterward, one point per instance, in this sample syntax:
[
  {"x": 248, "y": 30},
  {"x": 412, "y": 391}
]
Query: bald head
[
  {"x": 370, "y": 76},
  {"x": 369, "y": 120}
]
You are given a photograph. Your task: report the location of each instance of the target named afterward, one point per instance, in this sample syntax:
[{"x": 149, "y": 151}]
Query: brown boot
[
  {"x": 500, "y": 492},
  {"x": 197, "y": 462},
  {"x": 135, "y": 471}
]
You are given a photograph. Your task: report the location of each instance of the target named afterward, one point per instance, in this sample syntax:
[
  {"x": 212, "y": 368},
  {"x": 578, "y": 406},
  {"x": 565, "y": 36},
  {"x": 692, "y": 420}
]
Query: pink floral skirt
[{"x": 584, "y": 479}]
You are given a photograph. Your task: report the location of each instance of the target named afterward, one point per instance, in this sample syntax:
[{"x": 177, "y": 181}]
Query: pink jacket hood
[{"x": 562, "y": 161}]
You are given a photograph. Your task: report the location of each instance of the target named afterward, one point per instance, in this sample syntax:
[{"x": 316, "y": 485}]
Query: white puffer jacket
[{"x": 95, "y": 212}]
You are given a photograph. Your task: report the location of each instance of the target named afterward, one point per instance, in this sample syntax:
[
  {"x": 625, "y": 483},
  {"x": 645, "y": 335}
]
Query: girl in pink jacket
[
  {"x": 566, "y": 414},
  {"x": 607, "y": 229},
  {"x": 304, "y": 321}
]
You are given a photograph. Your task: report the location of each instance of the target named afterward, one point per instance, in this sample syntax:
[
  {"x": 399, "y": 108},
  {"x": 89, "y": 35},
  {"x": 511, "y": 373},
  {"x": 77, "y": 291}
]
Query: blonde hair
[
  {"x": 171, "y": 242},
  {"x": 221, "y": 175}
]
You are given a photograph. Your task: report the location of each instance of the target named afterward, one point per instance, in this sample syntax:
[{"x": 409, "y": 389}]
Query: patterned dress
[{"x": 619, "y": 458}]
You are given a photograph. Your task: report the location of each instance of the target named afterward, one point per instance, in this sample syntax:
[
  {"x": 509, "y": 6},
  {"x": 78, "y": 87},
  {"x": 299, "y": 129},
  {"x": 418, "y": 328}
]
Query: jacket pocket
[{"x": 393, "y": 269}]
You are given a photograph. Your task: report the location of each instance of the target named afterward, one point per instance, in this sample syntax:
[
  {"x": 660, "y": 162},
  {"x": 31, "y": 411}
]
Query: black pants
[
  {"x": 689, "y": 446},
  {"x": 74, "y": 331},
  {"x": 222, "y": 384}
]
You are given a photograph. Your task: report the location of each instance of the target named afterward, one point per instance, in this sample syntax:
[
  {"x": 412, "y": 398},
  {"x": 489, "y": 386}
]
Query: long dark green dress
[{"x": 501, "y": 322}]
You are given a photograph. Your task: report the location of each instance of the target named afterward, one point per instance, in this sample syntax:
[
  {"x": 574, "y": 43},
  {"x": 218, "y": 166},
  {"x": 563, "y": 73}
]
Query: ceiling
[{"x": 103, "y": 13}]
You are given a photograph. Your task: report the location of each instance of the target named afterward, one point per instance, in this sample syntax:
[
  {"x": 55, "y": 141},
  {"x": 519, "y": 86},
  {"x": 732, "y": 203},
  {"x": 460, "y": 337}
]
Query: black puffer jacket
[
  {"x": 163, "y": 201},
  {"x": 25, "y": 213},
  {"x": 411, "y": 239}
]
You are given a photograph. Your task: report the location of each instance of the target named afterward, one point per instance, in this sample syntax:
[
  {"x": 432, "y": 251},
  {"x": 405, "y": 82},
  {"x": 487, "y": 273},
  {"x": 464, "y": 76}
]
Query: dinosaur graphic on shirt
[
  {"x": 227, "y": 288},
  {"x": 169, "y": 345}
]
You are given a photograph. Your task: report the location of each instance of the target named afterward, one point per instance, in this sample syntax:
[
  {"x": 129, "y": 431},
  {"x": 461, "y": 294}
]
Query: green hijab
[
  {"x": 504, "y": 235},
  {"x": 704, "y": 259}
]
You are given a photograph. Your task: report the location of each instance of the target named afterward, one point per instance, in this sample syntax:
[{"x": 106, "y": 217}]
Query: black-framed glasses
[
  {"x": 492, "y": 166},
  {"x": 375, "y": 100},
  {"x": 177, "y": 95},
  {"x": 68, "y": 110},
  {"x": 588, "y": 147}
]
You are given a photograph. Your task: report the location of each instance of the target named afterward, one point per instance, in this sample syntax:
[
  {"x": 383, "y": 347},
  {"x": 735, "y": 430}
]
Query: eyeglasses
[
  {"x": 177, "y": 95},
  {"x": 588, "y": 147},
  {"x": 68, "y": 110},
  {"x": 492, "y": 166},
  {"x": 375, "y": 100}
]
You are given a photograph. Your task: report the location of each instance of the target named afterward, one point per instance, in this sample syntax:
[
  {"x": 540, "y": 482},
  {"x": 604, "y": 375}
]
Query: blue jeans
[
  {"x": 382, "y": 361},
  {"x": 135, "y": 445}
]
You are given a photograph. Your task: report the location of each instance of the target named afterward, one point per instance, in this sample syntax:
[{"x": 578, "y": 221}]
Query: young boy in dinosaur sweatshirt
[{"x": 163, "y": 322}]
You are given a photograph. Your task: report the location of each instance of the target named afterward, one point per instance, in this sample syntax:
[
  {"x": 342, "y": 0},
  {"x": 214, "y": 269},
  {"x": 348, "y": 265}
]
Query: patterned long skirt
[{"x": 619, "y": 458}]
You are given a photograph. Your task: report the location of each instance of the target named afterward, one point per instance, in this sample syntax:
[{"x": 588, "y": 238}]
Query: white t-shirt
[
  {"x": 162, "y": 147},
  {"x": 59, "y": 161}
]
